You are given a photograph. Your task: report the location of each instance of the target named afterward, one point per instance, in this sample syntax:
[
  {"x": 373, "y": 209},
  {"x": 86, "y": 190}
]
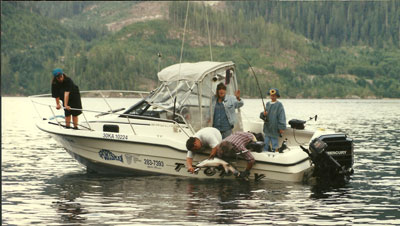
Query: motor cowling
[{"x": 333, "y": 157}]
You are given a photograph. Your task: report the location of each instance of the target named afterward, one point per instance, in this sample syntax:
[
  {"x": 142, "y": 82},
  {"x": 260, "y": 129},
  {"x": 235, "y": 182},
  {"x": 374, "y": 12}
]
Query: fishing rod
[{"x": 259, "y": 88}]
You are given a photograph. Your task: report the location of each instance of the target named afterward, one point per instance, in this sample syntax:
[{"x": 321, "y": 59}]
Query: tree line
[
  {"x": 332, "y": 23},
  {"x": 128, "y": 59}
]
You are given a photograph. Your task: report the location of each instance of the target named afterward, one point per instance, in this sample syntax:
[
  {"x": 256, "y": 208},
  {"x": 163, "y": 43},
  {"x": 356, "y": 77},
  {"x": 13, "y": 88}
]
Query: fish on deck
[{"x": 215, "y": 162}]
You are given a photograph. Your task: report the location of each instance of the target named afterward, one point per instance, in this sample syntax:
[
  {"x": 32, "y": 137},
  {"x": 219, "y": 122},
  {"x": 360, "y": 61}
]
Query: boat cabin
[{"x": 186, "y": 92}]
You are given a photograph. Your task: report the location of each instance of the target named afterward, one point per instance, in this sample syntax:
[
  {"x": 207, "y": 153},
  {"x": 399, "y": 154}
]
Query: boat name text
[{"x": 108, "y": 155}]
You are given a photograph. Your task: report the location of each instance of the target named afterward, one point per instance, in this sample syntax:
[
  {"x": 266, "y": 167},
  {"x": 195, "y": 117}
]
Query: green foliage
[
  {"x": 344, "y": 53},
  {"x": 27, "y": 41},
  {"x": 363, "y": 71},
  {"x": 333, "y": 23}
]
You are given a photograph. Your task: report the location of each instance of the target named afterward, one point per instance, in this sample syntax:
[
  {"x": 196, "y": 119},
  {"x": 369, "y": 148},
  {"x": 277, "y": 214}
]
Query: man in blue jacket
[
  {"x": 224, "y": 115},
  {"x": 274, "y": 120}
]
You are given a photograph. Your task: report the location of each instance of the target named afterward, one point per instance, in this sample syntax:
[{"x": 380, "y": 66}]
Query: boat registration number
[{"x": 115, "y": 136}]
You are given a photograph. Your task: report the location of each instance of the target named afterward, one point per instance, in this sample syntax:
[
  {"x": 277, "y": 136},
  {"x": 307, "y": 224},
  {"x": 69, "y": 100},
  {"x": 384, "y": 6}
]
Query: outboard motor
[{"x": 333, "y": 157}]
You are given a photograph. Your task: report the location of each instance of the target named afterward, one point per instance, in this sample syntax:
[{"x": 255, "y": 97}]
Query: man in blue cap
[
  {"x": 274, "y": 120},
  {"x": 62, "y": 88}
]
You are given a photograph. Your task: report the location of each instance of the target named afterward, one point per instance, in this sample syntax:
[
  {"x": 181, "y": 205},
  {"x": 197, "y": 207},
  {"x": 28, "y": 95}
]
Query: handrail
[
  {"x": 97, "y": 91},
  {"x": 112, "y": 113}
]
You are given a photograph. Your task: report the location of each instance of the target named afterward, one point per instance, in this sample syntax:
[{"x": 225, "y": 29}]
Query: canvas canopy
[{"x": 190, "y": 71}]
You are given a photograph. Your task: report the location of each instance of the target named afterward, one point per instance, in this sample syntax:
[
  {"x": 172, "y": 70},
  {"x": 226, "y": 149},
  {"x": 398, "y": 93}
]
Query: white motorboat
[{"x": 149, "y": 137}]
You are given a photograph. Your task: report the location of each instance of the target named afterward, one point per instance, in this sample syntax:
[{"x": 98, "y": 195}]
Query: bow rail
[{"x": 47, "y": 101}]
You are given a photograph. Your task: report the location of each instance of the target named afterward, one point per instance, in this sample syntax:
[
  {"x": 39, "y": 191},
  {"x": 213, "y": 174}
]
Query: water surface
[{"x": 43, "y": 185}]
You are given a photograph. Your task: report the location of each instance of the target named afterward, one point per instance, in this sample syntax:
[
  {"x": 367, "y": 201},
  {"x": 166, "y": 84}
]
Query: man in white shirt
[{"x": 208, "y": 137}]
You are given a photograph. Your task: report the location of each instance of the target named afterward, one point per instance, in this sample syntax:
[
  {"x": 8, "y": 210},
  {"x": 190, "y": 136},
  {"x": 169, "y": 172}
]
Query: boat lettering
[
  {"x": 210, "y": 171},
  {"x": 179, "y": 166},
  {"x": 337, "y": 152},
  {"x": 151, "y": 162},
  {"x": 115, "y": 136},
  {"x": 132, "y": 159},
  {"x": 108, "y": 155},
  {"x": 121, "y": 137},
  {"x": 161, "y": 125}
]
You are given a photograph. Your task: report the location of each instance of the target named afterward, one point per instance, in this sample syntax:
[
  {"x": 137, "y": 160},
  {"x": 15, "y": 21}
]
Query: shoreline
[{"x": 247, "y": 97}]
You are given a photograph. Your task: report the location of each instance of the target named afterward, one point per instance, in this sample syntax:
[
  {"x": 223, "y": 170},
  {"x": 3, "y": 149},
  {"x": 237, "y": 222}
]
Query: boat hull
[{"x": 141, "y": 159}]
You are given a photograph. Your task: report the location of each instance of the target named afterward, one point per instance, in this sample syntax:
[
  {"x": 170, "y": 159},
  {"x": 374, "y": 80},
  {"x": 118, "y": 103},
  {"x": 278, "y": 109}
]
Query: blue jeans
[
  {"x": 226, "y": 133},
  {"x": 274, "y": 143}
]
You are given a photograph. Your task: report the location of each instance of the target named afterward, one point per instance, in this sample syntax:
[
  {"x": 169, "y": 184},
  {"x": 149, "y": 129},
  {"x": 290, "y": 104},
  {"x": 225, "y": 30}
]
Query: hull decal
[
  {"x": 108, "y": 155},
  {"x": 132, "y": 159},
  {"x": 179, "y": 166}
]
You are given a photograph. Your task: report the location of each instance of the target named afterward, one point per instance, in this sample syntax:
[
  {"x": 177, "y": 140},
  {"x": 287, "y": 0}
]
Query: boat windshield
[{"x": 190, "y": 100}]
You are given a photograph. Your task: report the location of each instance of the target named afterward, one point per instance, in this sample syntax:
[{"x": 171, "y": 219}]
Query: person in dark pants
[
  {"x": 234, "y": 145},
  {"x": 224, "y": 115},
  {"x": 64, "y": 89},
  {"x": 274, "y": 120}
]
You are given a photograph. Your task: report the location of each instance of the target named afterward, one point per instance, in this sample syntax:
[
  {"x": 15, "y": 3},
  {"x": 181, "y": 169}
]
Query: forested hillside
[
  {"x": 333, "y": 23},
  {"x": 307, "y": 49},
  {"x": 30, "y": 45}
]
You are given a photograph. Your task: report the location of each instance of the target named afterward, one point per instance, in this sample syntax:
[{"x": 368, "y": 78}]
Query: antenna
[
  {"x": 159, "y": 60},
  {"x": 183, "y": 39},
  {"x": 208, "y": 30}
]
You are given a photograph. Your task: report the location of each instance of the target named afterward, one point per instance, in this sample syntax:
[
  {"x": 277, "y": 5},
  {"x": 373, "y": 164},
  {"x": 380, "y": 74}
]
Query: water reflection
[
  {"x": 85, "y": 198},
  {"x": 325, "y": 191},
  {"x": 70, "y": 211}
]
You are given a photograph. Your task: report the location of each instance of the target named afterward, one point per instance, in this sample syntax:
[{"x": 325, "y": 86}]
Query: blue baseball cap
[
  {"x": 56, "y": 72},
  {"x": 274, "y": 91}
]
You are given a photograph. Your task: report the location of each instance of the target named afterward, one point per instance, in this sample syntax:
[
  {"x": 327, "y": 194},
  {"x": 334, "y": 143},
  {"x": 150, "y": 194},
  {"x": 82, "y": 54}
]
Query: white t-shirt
[{"x": 209, "y": 137}]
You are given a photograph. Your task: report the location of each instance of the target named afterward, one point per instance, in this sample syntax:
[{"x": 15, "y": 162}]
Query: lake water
[{"x": 43, "y": 185}]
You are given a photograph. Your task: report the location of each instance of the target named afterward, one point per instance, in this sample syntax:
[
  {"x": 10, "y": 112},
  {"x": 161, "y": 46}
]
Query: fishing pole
[{"x": 259, "y": 88}]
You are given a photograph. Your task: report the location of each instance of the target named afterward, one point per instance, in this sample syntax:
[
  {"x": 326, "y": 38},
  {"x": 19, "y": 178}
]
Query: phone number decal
[{"x": 153, "y": 163}]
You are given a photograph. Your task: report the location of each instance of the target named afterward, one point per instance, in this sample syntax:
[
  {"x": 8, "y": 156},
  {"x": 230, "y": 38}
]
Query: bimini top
[{"x": 190, "y": 71}]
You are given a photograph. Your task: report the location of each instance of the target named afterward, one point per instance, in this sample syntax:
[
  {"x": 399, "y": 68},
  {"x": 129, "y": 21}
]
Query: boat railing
[{"x": 105, "y": 94}]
